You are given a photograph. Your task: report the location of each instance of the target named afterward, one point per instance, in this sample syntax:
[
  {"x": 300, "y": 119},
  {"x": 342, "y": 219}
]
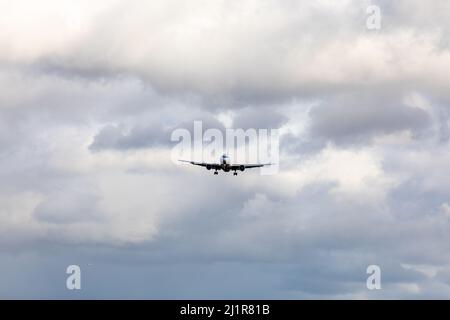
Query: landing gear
[
  {"x": 235, "y": 173},
  {"x": 216, "y": 173}
]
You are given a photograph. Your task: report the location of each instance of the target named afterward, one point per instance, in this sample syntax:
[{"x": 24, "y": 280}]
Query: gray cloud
[
  {"x": 364, "y": 116},
  {"x": 113, "y": 137},
  {"x": 259, "y": 118},
  {"x": 360, "y": 118},
  {"x": 142, "y": 136},
  {"x": 69, "y": 206}
]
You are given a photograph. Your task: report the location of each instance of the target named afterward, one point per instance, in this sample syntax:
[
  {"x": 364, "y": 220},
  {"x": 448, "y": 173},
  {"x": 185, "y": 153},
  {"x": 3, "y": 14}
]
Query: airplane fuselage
[{"x": 225, "y": 163}]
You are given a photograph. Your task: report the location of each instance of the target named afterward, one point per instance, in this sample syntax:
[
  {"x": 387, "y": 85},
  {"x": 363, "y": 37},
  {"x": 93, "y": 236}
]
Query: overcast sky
[{"x": 90, "y": 92}]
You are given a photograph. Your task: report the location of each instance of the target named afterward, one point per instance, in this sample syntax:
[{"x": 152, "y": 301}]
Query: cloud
[
  {"x": 112, "y": 137},
  {"x": 258, "y": 118},
  {"x": 144, "y": 135},
  {"x": 254, "y": 52},
  {"x": 68, "y": 206},
  {"x": 88, "y": 102},
  {"x": 359, "y": 118}
]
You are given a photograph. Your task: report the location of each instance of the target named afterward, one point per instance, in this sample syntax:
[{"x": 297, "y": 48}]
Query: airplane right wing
[{"x": 203, "y": 164}]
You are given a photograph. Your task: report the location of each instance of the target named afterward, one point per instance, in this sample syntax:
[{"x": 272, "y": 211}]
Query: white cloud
[{"x": 220, "y": 47}]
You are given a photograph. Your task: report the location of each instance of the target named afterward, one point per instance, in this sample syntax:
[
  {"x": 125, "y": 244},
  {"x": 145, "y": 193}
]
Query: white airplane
[{"x": 225, "y": 165}]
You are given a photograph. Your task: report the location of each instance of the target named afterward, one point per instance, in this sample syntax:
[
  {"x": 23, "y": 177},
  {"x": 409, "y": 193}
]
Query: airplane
[{"x": 225, "y": 165}]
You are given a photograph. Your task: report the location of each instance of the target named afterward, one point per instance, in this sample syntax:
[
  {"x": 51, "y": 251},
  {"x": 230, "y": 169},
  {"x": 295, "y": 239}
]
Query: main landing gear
[
  {"x": 216, "y": 173},
  {"x": 235, "y": 173}
]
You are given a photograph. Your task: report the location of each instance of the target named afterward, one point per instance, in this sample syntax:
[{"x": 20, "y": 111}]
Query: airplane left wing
[{"x": 248, "y": 166}]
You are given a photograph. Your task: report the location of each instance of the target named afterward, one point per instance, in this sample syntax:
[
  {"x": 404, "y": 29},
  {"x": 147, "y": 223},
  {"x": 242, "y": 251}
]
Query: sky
[{"x": 90, "y": 92}]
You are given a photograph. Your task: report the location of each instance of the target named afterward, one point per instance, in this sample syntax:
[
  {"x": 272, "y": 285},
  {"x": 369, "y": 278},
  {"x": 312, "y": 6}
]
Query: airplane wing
[
  {"x": 203, "y": 164},
  {"x": 249, "y": 166}
]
